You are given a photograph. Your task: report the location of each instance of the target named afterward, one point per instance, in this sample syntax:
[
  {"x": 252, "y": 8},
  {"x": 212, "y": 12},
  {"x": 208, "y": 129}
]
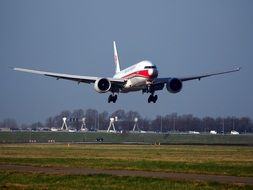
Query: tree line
[{"x": 170, "y": 122}]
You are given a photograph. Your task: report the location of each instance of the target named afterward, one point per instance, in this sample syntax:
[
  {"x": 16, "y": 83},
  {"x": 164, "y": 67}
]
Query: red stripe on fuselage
[{"x": 141, "y": 73}]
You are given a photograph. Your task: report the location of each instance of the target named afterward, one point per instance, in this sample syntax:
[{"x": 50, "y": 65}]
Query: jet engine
[
  {"x": 102, "y": 85},
  {"x": 174, "y": 85}
]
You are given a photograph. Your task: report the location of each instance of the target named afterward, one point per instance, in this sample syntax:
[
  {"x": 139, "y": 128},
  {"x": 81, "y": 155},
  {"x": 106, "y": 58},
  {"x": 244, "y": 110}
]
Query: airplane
[{"x": 142, "y": 76}]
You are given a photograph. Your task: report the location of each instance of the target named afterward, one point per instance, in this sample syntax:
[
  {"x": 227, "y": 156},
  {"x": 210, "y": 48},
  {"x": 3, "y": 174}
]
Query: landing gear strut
[
  {"x": 112, "y": 98},
  {"x": 150, "y": 89},
  {"x": 152, "y": 98}
]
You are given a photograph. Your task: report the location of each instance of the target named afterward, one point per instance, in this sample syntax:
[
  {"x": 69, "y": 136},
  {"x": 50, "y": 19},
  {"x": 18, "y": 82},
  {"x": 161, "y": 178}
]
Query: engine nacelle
[
  {"x": 102, "y": 85},
  {"x": 174, "y": 85}
]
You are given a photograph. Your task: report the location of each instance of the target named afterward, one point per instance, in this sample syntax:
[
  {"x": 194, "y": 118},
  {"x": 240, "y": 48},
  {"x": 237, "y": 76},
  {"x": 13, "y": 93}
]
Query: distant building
[
  {"x": 54, "y": 129},
  {"x": 5, "y": 129},
  {"x": 233, "y": 132},
  {"x": 213, "y": 132},
  {"x": 194, "y": 132}
]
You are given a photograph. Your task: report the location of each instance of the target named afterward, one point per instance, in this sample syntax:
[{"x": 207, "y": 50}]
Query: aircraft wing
[
  {"x": 77, "y": 78},
  {"x": 187, "y": 78},
  {"x": 208, "y": 75}
]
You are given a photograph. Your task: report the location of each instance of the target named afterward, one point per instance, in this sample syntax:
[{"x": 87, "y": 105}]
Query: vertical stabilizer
[{"x": 116, "y": 58}]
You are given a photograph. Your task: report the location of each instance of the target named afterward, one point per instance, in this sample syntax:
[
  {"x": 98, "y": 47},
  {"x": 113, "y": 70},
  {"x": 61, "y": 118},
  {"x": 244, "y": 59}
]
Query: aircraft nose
[{"x": 153, "y": 73}]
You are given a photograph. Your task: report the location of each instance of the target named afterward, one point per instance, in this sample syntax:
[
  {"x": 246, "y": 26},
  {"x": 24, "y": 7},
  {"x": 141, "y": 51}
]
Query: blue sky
[{"x": 180, "y": 37}]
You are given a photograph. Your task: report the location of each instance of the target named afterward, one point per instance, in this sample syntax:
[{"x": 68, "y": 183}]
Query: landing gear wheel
[
  {"x": 152, "y": 98},
  {"x": 155, "y": 98},
  {"x": 112, "y": 98}
]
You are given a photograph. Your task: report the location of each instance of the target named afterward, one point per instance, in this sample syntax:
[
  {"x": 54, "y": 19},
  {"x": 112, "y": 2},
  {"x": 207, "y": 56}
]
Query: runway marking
[{"x": 170, "y": 175}]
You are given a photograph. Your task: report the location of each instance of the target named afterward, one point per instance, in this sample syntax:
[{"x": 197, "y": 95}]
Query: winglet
[{"x": 116, "y": 58}]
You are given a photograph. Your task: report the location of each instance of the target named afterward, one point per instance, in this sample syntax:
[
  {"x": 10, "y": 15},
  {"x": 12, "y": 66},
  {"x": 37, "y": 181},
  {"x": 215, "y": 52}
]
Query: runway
[{"x": 86, "y": 171}]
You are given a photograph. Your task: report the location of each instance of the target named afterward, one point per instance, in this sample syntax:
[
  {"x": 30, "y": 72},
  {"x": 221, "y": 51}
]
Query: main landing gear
[
  {"x": 112, "y": 98},
  {"x": 152, "y": 98},
  {"x": 150, "y": 89}
]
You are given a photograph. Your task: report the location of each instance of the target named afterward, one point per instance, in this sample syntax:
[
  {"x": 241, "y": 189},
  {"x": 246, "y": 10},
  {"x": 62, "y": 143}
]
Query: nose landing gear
[{"x": 112, "y": 98}]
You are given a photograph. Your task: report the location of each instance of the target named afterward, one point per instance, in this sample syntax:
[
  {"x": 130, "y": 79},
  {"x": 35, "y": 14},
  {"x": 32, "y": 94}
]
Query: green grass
[
  {"x": 10, "y": 180},
  {"x": 225, "y": 160},
  {"x": 150, "y": 138},
  {"x": 226, "y": 168}
]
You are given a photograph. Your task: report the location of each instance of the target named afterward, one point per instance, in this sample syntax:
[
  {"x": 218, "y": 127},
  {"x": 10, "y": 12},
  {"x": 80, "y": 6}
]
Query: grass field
[
  {"x": 103, "y": 182},
  {"x": 222, "y": 160},
  {"x": 149, "y": 138},
  {"x": 226, "y": 160}
]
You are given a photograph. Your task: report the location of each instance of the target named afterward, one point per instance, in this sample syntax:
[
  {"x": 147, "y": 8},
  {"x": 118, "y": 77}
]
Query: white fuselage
[{"x": 138, "y": 76}]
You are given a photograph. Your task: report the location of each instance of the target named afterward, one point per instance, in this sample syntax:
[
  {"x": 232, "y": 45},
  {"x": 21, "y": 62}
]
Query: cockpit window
[{"x": 150, "y": 67}]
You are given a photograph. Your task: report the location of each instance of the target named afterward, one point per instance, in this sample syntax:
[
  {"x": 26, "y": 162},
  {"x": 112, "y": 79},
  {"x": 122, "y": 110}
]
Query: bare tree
[{"x": 9, "y": 123}]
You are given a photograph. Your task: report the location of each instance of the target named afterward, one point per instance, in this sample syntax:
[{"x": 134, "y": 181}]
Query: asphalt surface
[{"x": 169, "y": 175}]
